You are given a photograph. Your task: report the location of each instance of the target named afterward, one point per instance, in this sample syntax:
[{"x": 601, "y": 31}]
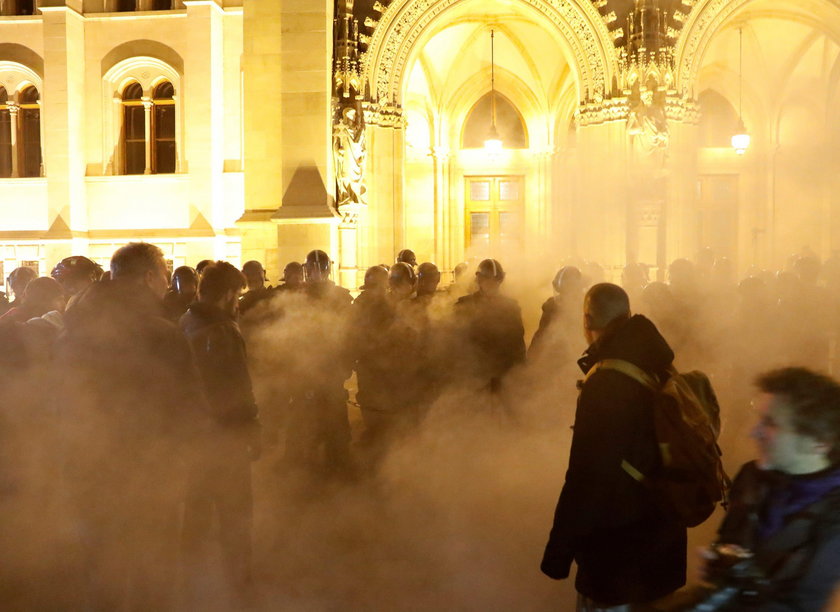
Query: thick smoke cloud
[{"x": 456, "y": 512}]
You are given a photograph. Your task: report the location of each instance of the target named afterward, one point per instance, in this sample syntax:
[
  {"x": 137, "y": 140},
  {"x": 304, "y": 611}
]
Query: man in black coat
[
  {"x": 131, "y": 409},
  {"x": 492, "y": 326},
  {"x": 627, "y": 551},
  {"x": 221, "y": 479}
]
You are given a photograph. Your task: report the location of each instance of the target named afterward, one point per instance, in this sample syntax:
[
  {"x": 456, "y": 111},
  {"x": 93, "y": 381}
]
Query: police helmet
[
  {"x": 317, "y": 264},
  {"x": 407, "y": 256},
  {"x": 75, "y": 269},
  {"x": 566, "y": 277},
  {"x": 490, "y": 268},
  {"x": 401, "y": 273},
  {"x": 375, "y": 276},
  {"x": 428, "y": 270}
]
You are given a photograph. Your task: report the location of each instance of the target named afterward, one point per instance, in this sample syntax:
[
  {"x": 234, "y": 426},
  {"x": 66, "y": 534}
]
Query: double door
[{"x": 494, "y": 214}]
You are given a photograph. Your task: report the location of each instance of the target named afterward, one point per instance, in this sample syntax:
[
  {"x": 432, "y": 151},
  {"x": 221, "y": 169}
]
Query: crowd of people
[{"x": 148, "y": 396}]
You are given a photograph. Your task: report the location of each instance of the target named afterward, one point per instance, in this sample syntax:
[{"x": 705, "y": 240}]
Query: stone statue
[
  {"x": 349, "y": 155},
  {"x": 648, "y": 124}
]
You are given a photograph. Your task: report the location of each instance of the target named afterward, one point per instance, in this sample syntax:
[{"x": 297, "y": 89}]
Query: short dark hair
[
  {"x": 813, "y": 400},
  {"x": 217, "y": 279},
  {"x": 133, "y": 260},
  {"x": 606, "y": 303}
]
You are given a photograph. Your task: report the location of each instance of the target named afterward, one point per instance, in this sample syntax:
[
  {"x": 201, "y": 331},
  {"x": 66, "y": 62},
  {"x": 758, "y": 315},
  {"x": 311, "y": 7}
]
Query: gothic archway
[{"x": 590, "y": 44}]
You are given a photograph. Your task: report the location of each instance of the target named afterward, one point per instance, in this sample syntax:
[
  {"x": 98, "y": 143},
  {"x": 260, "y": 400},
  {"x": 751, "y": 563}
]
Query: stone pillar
[
  {"x": 147, "y": 131},
  {"x": 440, "y": 155},
  {"x": 348, "y": 269},
  {"x": 545, "y": 210},
  {"x": 385, "y": 221},
  {"x": 204, "y": 92},
  {"x": 13, "y": 126},
  {"x": 63, "y": 105}
]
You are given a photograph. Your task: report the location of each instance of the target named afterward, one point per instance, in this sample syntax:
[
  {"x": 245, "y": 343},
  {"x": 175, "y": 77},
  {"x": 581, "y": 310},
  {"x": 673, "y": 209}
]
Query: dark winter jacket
[
  {"x": 625, "y": 549},
  {"x": 792, "y": 524},
  {"x": 130, "y": 394},
  {"x": 219, "y": 352},
  {"x": 494, "y": 334}
]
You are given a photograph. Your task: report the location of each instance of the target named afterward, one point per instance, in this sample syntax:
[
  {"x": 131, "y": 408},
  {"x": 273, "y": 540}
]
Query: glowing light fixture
[
  {"x": 493, "y": 142},
  {"x": 741, "y": 140}
]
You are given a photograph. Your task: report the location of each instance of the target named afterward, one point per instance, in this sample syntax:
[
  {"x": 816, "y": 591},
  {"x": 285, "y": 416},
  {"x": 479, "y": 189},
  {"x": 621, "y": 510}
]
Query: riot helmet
[
  {"x": 317, "y": 266},
  {"x": 401, "y": 279},
  {"x": 76, "y": 272},
  {"x": 490, "y": 275},
  {"x": 185, "y": 281},
  {"x": 568, "y": 281},
  {"x": 254, "y": 274},
  {"x": 293, "y": 274},
  {"x": 428, "y": 278},
  {"x": 407, "y": 256},
  {"x": 376, "y": 277}
]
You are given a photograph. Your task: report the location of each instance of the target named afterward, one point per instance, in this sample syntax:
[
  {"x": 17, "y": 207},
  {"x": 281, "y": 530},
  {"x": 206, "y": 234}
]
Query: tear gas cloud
[{"x": 455, "y": 513}]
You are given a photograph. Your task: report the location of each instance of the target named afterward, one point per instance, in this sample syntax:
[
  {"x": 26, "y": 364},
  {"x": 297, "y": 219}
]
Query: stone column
[
  {"x": 147, "y": 130},
  {"x": 348, "y": 268},
  {"x": 63, "y": 98},
  {"x": 13, "y": 126},
  {"x": 440, "y": 155}
]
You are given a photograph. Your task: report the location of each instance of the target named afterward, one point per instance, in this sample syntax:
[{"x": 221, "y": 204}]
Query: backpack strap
[
  {"x": 628, "y": 369},
  {"x": 640, "y": 376}
]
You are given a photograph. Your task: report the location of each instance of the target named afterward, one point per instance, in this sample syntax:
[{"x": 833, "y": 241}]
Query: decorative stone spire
[{"x": 346, "y": 77}]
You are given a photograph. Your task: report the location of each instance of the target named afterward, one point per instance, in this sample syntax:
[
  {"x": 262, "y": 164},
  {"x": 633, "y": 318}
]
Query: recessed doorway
[{"x": 494, "y": 214}]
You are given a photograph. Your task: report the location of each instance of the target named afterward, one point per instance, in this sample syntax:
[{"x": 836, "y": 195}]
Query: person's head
[
  {"x": 142, "y": 264},
  {"x": 489, "y": 275},
  {"x": 401, "y": 280},
  {"x": 407, "y": 256},
  {"x": 221, "y": 285},
  {"x": 254, "y": 275},
  {"x": 798, "y": 428},
  {"x": 568, "y": 282},
  {"x": 19, "y": 278},
  {"x": 293, "y": 274},
  {"x": 43, "y": 295},
  {"x": 316, "y": 268},
  {"x": 199, "y": 267},
  {"x": 376, "y": 279},
  {"x": 604, "y": 307},
  {"x": 185, "y": 282},
  {"x": 75, "y": 273},
  {"x": 428, "y": 278}
]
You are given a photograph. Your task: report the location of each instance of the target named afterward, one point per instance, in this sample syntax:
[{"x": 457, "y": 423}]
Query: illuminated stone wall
[{"x": 254, "y": 94}]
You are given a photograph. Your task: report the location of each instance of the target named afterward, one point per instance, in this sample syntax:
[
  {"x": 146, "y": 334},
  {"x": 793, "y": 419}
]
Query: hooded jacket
[{"x": 626, "y": 550}]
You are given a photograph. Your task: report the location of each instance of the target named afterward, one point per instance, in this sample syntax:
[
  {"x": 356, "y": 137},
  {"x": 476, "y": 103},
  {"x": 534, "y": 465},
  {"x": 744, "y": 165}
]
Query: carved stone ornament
[
  {"x": 384, "y": 115},
  {"x": 404, "y": 21},
  {"x": 704, "y": 20},
  {"x": 350, "y": 156}
]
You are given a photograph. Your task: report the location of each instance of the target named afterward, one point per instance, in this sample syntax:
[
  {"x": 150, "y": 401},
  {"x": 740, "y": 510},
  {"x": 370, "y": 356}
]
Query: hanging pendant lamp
[
  {"x": 493, "y": 142},
  {"x": 741, "y": 139}
]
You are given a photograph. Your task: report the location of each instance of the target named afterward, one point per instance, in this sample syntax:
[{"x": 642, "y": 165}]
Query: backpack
[{"x": 686, "y": 416}]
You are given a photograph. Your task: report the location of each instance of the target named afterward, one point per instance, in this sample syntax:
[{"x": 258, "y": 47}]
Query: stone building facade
[{"x": 230, "y": 129}]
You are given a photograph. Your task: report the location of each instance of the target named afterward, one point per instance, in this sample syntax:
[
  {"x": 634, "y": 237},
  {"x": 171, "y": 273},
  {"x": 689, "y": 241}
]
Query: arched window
[
  {"x": 163, "y": 129},
  {"x": 508, "y": 123},
  {"x": 5, "y": 136},
  {"x": 149, "y": 129},
  {"x": 29, "y": 133},
  {"x": 134, "y": 130}
]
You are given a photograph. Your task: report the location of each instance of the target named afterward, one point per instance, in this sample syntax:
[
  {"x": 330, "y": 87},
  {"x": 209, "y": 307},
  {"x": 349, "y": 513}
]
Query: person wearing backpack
[{"x": 629, "y": 550}]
